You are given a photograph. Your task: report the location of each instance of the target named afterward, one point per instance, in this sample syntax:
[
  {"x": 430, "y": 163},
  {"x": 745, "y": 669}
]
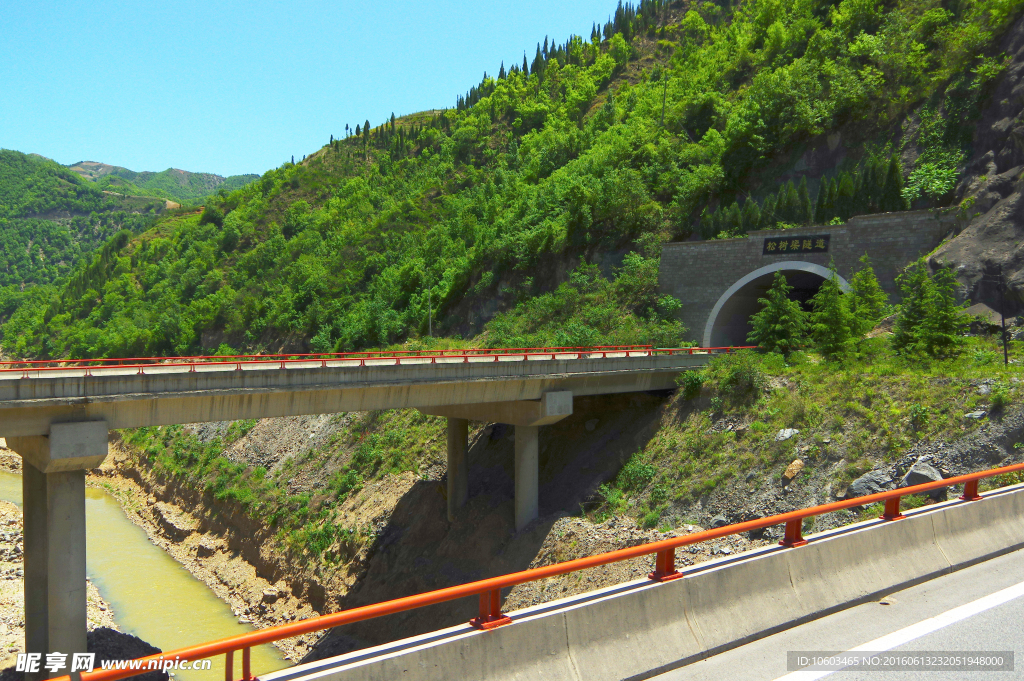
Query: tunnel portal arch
[{"x": 729, "y": 321}]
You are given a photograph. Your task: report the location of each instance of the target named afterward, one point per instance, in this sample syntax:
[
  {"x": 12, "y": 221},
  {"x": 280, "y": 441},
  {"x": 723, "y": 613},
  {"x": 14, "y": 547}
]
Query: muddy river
[{"x": 152, "y": 596}]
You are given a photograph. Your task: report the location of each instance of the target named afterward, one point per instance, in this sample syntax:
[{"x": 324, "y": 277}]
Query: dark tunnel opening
[{"x": 732, "y": 325}]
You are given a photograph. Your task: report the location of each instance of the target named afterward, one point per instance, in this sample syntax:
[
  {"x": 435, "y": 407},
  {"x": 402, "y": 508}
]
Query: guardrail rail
[
  {"x": 33, "y": 368},
  {"x": 489, "y": 590}
]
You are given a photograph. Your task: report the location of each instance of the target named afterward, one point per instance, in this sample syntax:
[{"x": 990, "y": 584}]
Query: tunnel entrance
[{"x": 729, "y": 323}]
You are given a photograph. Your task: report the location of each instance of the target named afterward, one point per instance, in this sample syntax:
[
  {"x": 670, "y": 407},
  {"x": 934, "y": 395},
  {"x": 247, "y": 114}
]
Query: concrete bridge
[
  {"x": 57, "y": 415},
  {"x": 720, "y": 281}
]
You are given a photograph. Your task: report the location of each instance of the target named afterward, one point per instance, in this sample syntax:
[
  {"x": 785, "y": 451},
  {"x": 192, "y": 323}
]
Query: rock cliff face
[{"x": 993, "y": 188}]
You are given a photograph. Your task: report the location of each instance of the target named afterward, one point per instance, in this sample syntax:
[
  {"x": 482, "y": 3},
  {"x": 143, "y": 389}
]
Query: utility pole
[{"x": 1002, "y": 315}]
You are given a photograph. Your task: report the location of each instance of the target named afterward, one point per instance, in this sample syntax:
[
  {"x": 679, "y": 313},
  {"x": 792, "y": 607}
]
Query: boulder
[
  {"x": 785, "y": 434},
  {"x": 919, "y": 474},
  {"x": 980, "y": 414},
  {"x": 871, "y": 482},
  {"x": 719, "y": 521},
  {"x": 205, "y": 548},
  {"x": 792, "y": 470},
  {"x": 270, "y": 595}
]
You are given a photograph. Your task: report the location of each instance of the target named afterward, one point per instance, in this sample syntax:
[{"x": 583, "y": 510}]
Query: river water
[{"x": 152, "y": 596}]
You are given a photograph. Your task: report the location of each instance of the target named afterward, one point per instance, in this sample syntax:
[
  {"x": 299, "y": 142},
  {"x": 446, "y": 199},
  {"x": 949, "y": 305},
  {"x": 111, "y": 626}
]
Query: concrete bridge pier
[
  {"x": 527, "y": 416},
  {"x": 53, "y": 486},
  {"x": 527, "y": 472},
  {"x": 458, "y": 465}
]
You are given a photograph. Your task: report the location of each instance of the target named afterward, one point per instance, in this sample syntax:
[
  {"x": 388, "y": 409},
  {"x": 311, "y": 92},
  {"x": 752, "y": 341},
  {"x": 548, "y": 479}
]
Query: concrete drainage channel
[{"x": 640, "y": 629}]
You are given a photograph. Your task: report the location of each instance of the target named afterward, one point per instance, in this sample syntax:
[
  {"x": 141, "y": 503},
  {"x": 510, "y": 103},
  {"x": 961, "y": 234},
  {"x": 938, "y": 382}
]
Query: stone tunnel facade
[{"x": 719, "y": 282}]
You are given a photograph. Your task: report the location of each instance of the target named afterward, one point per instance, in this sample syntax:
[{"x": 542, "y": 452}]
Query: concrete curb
[{"x": 641, "y": 629}]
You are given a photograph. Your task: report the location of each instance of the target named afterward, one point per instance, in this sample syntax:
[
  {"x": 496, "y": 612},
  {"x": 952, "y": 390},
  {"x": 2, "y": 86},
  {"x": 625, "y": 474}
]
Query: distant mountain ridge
[{"x": 173, "y": 183}]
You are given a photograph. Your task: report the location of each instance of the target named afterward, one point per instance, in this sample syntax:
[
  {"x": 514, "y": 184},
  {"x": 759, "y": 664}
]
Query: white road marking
[{"x": 914, "y": 631}]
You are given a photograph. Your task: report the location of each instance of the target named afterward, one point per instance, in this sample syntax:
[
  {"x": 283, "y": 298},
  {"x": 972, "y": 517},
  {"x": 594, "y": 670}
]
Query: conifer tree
[
  {"x": 830, "y": 200},
  {"x": 733, "y": 220},
  {"x": 806, "y": 210},
  {"x": 780, "y": 324},
  {"x": 868, "y": 302},
  {"x": 767, "y": 220},
  {"x": 782, "y": 207},
  {"x": 892, "y": 188},
  {"x": 792, "y": 203},
  {"x": 820, "y": 207},
  {"x": 844, "y": 197},
  {"x": 526, "y": 67},
  {"x": 751, "y": 216},
  {"x": 915, "y": 285},
  {"x": 501, "y": 71},
  {"x": 945, "y": 321},
  {"x": 831, "y": 321}
]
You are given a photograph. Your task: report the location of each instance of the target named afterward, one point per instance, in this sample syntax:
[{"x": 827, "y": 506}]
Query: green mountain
[
  {"x": 174, "y": 184},
  {"x": 533, "y": 210},
  {"x": 50, "y": 219}
]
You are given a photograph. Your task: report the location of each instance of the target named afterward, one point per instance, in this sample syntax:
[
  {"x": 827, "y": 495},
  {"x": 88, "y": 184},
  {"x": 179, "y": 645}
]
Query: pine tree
[
  {"x": 751, "y": 216},
  {"x": 844, "y": 197},
  {"x": 526, "y": 67},
  {"x": 780, "y": 324},
  {"x": 792, "y": 204},
  {"x": 733, "y": 222},
  {"x": 830, "y": 200},
  {"x": 767, "y": 213},
  {"x": 820, "y": 206},
  {"x": 892, "y": 189},
  {"x": 332, "y": 140},
  {"x": 915, "y": 285},
  {"x": 782, "y": 207},
  {"x": 501, "y": 71},
  {"x": 868, "y": 302},
  {"x": 831, "y": 321},
  {"x": 806, "y": 210},
  {"x": 945, "y": 321}
]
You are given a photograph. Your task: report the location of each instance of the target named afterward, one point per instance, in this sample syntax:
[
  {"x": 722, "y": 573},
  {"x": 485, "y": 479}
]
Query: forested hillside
[
  {"x": 177, "y": 185},
  {"x": 532, "y": 210},
  {"x": 49, "y": 220}
]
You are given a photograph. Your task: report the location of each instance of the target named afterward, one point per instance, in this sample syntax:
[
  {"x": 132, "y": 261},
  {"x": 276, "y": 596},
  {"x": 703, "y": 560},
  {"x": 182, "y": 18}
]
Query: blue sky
[{"x": 238, "y": 87}]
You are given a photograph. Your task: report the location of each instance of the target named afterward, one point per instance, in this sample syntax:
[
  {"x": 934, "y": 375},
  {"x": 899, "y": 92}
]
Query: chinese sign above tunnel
[{"x": 777, "y": 245}]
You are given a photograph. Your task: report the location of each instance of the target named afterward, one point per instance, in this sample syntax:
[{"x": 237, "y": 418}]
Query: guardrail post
[
  {"x": 892, "y": 510},
  {"x": 971, "y": 491},
  {"x": 794, "y": 534},
  {"x": 490, "y": 611},
  {"x": 229, "y": 664},
  {"x": 665, "y": 566},
  {"x": 246, "y": 675}
]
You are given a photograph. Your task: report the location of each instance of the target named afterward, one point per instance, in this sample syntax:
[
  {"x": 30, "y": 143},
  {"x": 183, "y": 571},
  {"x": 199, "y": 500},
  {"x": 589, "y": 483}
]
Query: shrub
[
  {"x": 691, "y": 382},
  {"x": 738, "y": 374},
  {"x": 636, "y": 474},
  {"x": 211, "y": 216}
]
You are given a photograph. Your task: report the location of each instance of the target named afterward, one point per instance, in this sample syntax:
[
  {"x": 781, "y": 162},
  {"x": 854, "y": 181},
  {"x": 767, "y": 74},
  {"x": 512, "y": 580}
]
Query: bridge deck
[{"x": 134, "y": 394}]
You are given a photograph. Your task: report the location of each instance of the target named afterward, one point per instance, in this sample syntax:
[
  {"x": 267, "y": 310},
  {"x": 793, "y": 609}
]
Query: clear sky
[{"x": 239, "y": 87}]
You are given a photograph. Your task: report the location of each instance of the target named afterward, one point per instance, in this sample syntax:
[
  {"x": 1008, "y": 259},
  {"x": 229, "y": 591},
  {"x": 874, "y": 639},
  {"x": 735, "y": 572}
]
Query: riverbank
[
  {"x": 202, "y": 549},
  {"x": 12, "y": 579}
]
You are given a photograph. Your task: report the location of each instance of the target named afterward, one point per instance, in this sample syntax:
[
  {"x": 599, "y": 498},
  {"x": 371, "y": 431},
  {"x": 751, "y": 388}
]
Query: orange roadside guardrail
[{"x": 489, "y": 590}]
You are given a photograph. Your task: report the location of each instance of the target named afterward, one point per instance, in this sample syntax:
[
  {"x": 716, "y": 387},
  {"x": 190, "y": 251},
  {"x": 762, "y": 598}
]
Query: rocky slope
[{"x": 991, "y": 193}]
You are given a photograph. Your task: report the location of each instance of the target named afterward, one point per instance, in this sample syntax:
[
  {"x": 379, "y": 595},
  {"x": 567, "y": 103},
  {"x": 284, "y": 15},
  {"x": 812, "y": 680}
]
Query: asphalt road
[{"x": 980, "y": 608}]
